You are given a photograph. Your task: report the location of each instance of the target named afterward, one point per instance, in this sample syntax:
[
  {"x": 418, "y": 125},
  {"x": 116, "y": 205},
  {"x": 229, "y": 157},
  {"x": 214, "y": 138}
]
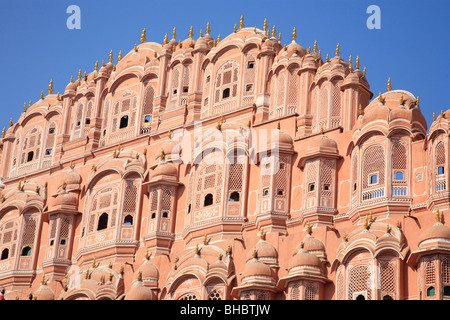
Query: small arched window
[
  {"x": 102, "y": 221},
  {"x": 128, "y": 221},
  {"x": 447, "y": 291},
  {"x": 123, "y": 122},
  {"x": 387, "y": 297},
  {"x": 226, "y": 93},
  {"x": 440, "y": 170},
  {"x": 208, "y": 200},
  {"x": 5, "y": 254},
  {"x": 30, "y": 156},
  {"x": 399, "y": 176},
  {"x": 26, "y": 251},
  {"x": 234, "y": 196},
  {"x": 431, "y": 291}
]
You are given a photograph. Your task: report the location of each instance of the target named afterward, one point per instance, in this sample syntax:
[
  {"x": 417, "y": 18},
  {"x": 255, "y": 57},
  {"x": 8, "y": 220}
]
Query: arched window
[
  {"x": 234, "y": 196},
  {"x": 26, "y": 251},
  {"x": 431, "y": 291},
  {"x": 208, "y": 200},
  {"x": 5, "y": 254},
  {"x": 102, "y": 221},
  {"x": 30, "y": 156},
  {"x": 123, "y": 122},
  {"x": 226, "y": 86},
  {"x": 128, "y": 221},
  {"x": 447, "y": 291}
]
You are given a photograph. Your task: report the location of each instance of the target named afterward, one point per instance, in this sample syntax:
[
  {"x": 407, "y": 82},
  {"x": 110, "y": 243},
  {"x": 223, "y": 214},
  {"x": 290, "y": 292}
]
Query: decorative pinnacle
[
  {"x": 255, "y": 254},
  {"x": 162, "y": 155},
  {"x": 308, "y": 228},
  {"x": 10, "y": 122},
  {"x": 165, "y": 39},
  {"x": 265, "y": 25},
  {"x": 143, "y": 38},
  {"x": 111, "y": 56},
  {"x": 50, "y": 87},
  {"x": 364, "y": 72},
  {"x": 350, "y": 68},
  {"x": 196, "y": 249},
  {"x": 120, "y": 55},
  {"x": 261, "y": 233},
  {"x": 201, "y": 33},
  {"x": 327, "y": 59},
  {"x": 380, "y": 98},
  {"x": 241, "y": 22},
  {"x": 402, "y": 101},
  {"x": 337, "y": 50},
  {"x": 79, "y": 75},
  {"x": 388, "y": 228},
  {"x": 434, "y": 116},
  {"x": 360, "y": 110},
  {"x": 25, "y": 107},
  {"x": 357, "y": 63},
  {"x": 205, "y": 239},
  {"x": 3, "y": 132},
  {"x": 438, "y": 218},
  {"x": 208, "y": 29},
  {"x": 345, "y": 237},
  {"x": 43, "y": 279},
  {"x": 389, "y": 88},
  {"x": 417, "y": 101},
  {"x": 135, "y": 48},
  {"x": 274, "y": 31},
  {"x": 96, "y": 66},
  {"x": 294, "y": 34},
  {"x": 315, "y": 46},
  {"x": 42, "y": 95},
  {"x": 366, "y": 223},
  {"x": 191, "y": 33},
  {"x": 234, "y": 28},
  {"x": 279, "y": 36}
]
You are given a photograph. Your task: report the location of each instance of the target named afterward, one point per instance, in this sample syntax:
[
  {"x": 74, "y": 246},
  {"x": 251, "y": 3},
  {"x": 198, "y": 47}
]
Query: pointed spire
[
  {"x": 165, "y": 40},
  {"x": 3, "y": 132},
  {"x": 241, "y": 22},
  {"x": 350, "y": 67},
  {"x": 315, "y": 46},
  {"x": 191, "y": 33},
  {"x": 111, "y": 56},
  {"x": 308, "y": 228},
  {"x": 438, "y": 217},
  {"x": 234, "y": 28},
  {"x": 434, "y": 116},
  {"x": 208, "y": 29},
  {"x": 42, "y": 95},
  {"x": 279, "y": 37},
  {"x": 380, "y": 98},
  {"x": 265, "y": 25},
  {"x": 10, "y": 122},
  {"x": 357, "y": 63},
  {"x": 143, "y": 35},
  {"x": 417, "y": 101},
  {"x": 96, "y": 66},
  {"x": 58, "y": 97},
  {"x": 337, "y": 52},
  {"x": 24, "y": 107},
  {"x": 120, "y": 55},
  {"x": 103, "y": 63},
  {"x": 402, "y": 101},
  {"x": 366, "y": 223},
  {"x": 360, "y": 110},
  {"x": 294, "y": 34},
  {"x": 50, "y": 87},
  {"x": 389, "y": 88},
  {"x": 201, "y": 33},
  {"x": 261, "y": 234},
  {"x": 364, "y": 72},
  {"x": 135, "y": 49},
  {"x": 274, "y": 31},
  {"x": 218, "y": 39}
]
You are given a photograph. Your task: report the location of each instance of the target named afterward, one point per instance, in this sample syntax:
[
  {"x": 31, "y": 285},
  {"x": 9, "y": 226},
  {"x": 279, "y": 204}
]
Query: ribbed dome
[
  {"x": 148, "y": 270},
  {"x": 304, "y": 258},
  {"x": 312, "y": 244},
  {"x": 254, "y": 267},
  {"x": 264, "y": 250},
  {"x": 71, "y": 177},
  {"x": 437, "y": 231},
  {"x": 322, "y": 144},
  {"x": 65, "y": 198},
  {"x": 164, "y": 169},
  {"x": 139, "y": 292},
  {"x": 44, "y": 293}
]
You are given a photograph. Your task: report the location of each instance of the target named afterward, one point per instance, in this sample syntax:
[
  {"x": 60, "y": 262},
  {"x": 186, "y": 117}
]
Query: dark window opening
[
  {"x": 88, "y": 121},
  {"x": 52, "y": 242},
  {"x": 226, "y": 93},
  {"x": 153, "y": 215},
  {"x": 441, "y": 170},
  {"x": 175, "y": 91},
  {"x": 5, "y": 254},
  {"x": 189, "y": 208},
  {"x": 185, "y": 89},
  {"x": 249, "y": 88},
  {"x": 128, "y": 221},
  {"x": 102, "y": 221},
  {"x": 326, "y": 187},
  {"x": 266, "y": 192},
  {"x": 208, "y": 200},
  {"x": 51, "y": 131},
  {"x": 447, "y": 291},
  {"x": 147, "y": 119},
  {"x": 234, "y": 196},
  {"x": 280, "y": 192},
  {"x": 360, "y": 297},
  {"x": 104, "y": 132},
  {"x": 165, "y": 214},
  {"x": 431, "y": 292},
  {"x": 123, "y": 122},
  {"x": 30, "y": 156},
  {"x": 48, "y": 152},
  {"x": 354, "y": 187},
  {"x": 62, "y": 242},
  {"x": 251, "y": 65},
  {"x": 311, "y": 187},
  {"x": 387, "y": 297},
  {"x": 373, "y": 179},
  {"x": 26, "y": 251}
]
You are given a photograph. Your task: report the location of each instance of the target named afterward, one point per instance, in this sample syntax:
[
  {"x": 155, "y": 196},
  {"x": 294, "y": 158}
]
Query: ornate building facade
[{"x": 239, "y": 168}]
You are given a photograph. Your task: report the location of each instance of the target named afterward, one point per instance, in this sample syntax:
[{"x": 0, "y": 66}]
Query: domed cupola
[
  {"x": 438, "y": 235},
  {"x": 44, "y": 292},
  {"x": 138, "y": 291},
  {"x": 164, "y": 170},
  {"x": 265, "y": 251}
]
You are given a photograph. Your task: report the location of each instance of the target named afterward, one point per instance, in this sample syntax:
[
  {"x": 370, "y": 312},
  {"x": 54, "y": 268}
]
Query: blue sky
[{"x": 412, "y": 47}]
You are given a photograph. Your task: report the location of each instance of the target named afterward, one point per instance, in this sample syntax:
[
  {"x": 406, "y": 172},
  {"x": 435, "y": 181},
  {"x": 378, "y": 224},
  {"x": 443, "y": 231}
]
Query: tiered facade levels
[{"x": 232, "y": 169}]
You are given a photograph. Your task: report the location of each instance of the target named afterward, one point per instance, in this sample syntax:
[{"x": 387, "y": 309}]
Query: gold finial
[
  {"x": 370, "y": 217},
  {"x": 71, "y": 79},
  {"x": 337, "y": 52},
  {"x": 135, "y": 48},
  {"x": 208, "y": 29},
  {"x": 364, "y": 71},
  {"x": 327, "y": 59},
  {"x": 162, "y": 155},
  {"x": 279, "y": 37},
  {"x": 196, "y": 249},
  {"x": 438, "y": 218},
  {"x": 42, "y": 95},
  {"x": 93, "y": 168},
  {"x": 380, "y": 97},
  {"x": 103, "y": 63},
  {"x": 43, "y": 279},
  {"x": 267, "y": 34},
  {"x": 65, "y": 287},
  {"x": 111, "y": 56},
  {"x": 79, "y": 75},
  {"x": 110, "y": 276},
  {"x": 85, "y": 76},
  {"x": 278, "y": 125},
  {"x": 434, "y": 116},
  {"x": 10, "y": 122},
  {"x": 274, "y": 31},
  {"x": 315, "y": 46},
  {"x": 147, "y": 255},
  {"x": 219, "y": 125},
  {"x": 64, "y": 186},
  {"x": 220, "y": 257},
  {"x": 165, "y": 40},
  {"x": 357, "y": 65},
  {"x": 25, "y": 107},
  {"x": 170, "y": 133},
  {"x": 345, "y": 237},
  {"x": 321, "y": 129},
  {"x": 350, "y": 67},
  {"x": 3, "y": 132},
  {"x": 388, "y": 228},
  {"x": 294, "y": 34},
  {"x": 265, "y": 25},
  {"x": 96, "y": 66},
  {"x": 442, "y": 114},
  {"x": 86, "y": 275},
  {"x": 191, "y": 33},
  {"x": 308, "y": 51},
  {"x": 143, "y": 35},
  {"x": 94, "y": 265},
  {"x": 360, "y": 110},
  {"x": 398, "y": 224},
  {"x": 201, "y": 33},
  {"x": 241, "y": 22},
  {"x": 72, "y": 165},
  {"x": 120, "y": 54},
  {"x": 255, "y": 254},
  {"x": 308, "y": 228},
  {"x": 302, "y": 244},
  {"x": 228, "y": 250},
  {"x": 402, "y": 101},
  {"x": 50, "y": 87},
  {"x": 366, "y": 223},
  {"x": 389, "y": 88},
  {"x": 234, "y": 28},
  {"x": 19, "y": 186},
  {"x": 417, "y": 101},
  {"x": 261, "y": 233},
  {"x": 205, "y": 240}
]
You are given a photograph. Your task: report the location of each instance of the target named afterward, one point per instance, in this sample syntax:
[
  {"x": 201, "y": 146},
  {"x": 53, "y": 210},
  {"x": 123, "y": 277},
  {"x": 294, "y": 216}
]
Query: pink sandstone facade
[{"x": 238, "y": 168}]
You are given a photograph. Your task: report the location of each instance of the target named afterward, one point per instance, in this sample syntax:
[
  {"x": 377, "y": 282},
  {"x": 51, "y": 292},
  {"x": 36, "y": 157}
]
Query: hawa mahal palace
[{"x": 235, "y": 168}]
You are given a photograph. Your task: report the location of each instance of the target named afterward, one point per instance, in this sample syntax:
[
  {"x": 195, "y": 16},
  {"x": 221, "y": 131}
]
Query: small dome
[
  {"x": 71, "y": 87},
  {"x": 304, "y": 258},
  {"x": 437, "y": 231},
  {"x": 139, "y": 292},
  {"x": 264, "y": 250},
  {"x": 312, "y": 244},
  {"x": 148, "y": 270},
  {"x": 65, "y": 198},
  {"x": 254, "y": 267},
  {"x": 44, "y": 293},
  {"x": 71, "y": 177},
  {"x": 172, "y": 149},
  {"x": 164, "y": 169}
]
